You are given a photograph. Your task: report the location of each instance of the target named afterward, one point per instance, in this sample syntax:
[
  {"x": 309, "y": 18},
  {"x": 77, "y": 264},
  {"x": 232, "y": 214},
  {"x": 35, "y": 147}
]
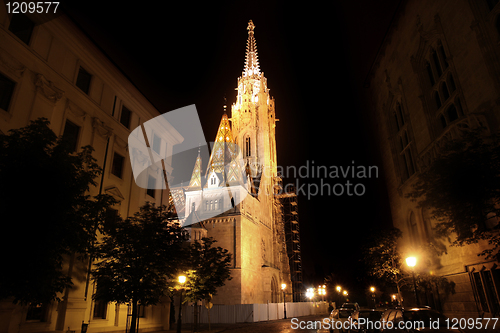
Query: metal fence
[{"x": 244, "y": 313}]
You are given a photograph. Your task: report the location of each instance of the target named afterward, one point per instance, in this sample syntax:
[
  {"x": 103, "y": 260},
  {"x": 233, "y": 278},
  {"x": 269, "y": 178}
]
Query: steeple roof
[
  {"x": 195, "y": 183},
  {"x": 224, "y": 157},
  {"x": 251, "y": 59}
]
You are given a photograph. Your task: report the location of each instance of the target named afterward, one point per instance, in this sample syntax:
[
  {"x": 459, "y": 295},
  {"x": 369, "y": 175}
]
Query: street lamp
[
  {"x": 310, "y": 293},
  {"x": 283, "y": 287},
  {"x": 322, "y": 292},
  {"x": 411, "y": 262},
  {"x": 372, "y": 289},
  {"x": 339, "y": 289},
  {"x": 182, "y": 280}
]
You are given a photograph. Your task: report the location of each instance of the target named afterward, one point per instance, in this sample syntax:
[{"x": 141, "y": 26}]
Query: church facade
[
  {"x": 436, "y": 76},
  {"x": 237, "y": 193}
]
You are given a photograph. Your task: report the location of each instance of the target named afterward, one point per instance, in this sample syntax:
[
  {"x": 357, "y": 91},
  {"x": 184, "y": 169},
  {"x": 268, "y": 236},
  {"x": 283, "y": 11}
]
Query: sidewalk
[{"x": 250, "y": 326}]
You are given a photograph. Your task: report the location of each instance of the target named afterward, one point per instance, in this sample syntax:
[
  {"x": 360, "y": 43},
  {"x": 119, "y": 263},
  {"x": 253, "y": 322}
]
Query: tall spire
[{"x": 251, "y": 59}]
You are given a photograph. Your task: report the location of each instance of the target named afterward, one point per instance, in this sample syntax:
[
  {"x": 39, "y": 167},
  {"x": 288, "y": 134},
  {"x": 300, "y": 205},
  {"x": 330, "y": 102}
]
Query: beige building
[
  {"x": 51, "y": 69},
  {"x": 437, "y": 73},
  {"x": 235, "y": 197}
]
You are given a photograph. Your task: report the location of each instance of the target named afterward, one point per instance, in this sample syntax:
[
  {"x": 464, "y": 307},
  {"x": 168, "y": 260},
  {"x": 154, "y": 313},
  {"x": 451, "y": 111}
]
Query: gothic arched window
[
  {"x": 404, "y": 155},
  {"x": 413, "y": 229},
  {"x": 442, "y": 91},
  {"x": 248, "y": 147}
]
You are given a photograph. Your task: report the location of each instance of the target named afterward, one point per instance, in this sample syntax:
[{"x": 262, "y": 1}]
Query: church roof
[
  {"x": 251, "y": 59},
  {"x": 224, "y": 157},
  {"x": 195, "y": 183}
]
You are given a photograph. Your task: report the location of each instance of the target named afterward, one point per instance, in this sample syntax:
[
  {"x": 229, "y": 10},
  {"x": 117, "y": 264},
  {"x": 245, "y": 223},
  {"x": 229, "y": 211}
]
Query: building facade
[
  {"x": 49, "y": 68},
  {"x": 436, "y": 75},
  {"x": 240, "y": 182}
]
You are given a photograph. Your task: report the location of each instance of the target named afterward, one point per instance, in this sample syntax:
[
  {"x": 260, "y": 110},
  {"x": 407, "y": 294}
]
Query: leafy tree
[
  {"x": 46, "y": 211},
  {"x": 208, "y": 270},
  {"x": 380, "y": 256},
  {"x": 461, "y": 188},
  {"x": 137, "y": 257}
]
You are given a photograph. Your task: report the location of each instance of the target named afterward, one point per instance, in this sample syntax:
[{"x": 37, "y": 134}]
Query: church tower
[
  {"x": 235, "y": 200},
  {"x": 253, "y": 114}
]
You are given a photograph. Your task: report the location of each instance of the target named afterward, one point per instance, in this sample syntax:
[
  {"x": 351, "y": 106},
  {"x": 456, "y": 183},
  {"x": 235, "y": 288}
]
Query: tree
[
  {"x": 46, "y": 211},
  {"x": 208, "y": 269},
  {"x": 380, "y": 256},
  {"x": 461, "y": 188},
  {"x": 137, "y": 257}
]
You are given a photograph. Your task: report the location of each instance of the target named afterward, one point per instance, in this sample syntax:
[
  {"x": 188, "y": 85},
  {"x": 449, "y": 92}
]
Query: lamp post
[
  {"x": 411, "y": 262},
  {"x": 283, "y": 287},
  {"x": 339, "y": 289},
  {"x": 372, "y": 289},
  {"x": 182, "y": 280}
]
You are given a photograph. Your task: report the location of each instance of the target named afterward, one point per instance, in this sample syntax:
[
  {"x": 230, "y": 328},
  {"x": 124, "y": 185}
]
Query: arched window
[
  {"x": 413, "y": 228},
  {"x": 438, "y": 100},
  {"x": 432, "y": 80},
  {"x": 437, "y": 65},
  {"x": 444, "y": 91},
  {"x": 452, "y": 113},
  {"x": 443, "y": 121},
  {"x": 248, "y": 147},
  {"x": 274, "y": 291},
  {"x": 403, "y": 143},
  {"x": 491, "y": 4},
  {"x": 451, "y": 83}
]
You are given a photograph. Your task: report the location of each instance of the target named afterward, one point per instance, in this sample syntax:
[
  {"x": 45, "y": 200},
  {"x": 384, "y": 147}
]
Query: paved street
[{"x": 281, "y": 326}]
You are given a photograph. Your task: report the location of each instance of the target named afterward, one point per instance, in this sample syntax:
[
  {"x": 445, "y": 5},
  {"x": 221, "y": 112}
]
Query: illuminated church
[{"x": 240, "y": 181}]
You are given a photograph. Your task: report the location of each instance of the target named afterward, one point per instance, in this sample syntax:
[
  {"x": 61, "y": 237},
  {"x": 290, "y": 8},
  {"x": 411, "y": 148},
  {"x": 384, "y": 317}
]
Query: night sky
[{"x": 315, "y": 56}]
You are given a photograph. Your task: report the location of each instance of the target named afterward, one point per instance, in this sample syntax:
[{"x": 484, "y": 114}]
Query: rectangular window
[
  {"x": 151, "y": 186},
  {"x": 22, "y": 27},
  {"x": 110, "y": 219},
  {"x": 156, "y": 143},
  {"x": 125, "y": 117},
  {"x": 100, "y": 309},
  {"x": 37, "y": 312},
  {"x": 83, "y": 80},
  {"x": 141, "y": 311},
  {"x": 480, "y": 291},
  {"x": 70, "y": 135},
  {"x": 117, "y": 166},
  {"x": 6, "y": 90}
]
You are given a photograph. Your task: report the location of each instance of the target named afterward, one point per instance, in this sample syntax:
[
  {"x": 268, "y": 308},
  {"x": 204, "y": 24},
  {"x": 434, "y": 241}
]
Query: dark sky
[{"x": 315, "y": 56}]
